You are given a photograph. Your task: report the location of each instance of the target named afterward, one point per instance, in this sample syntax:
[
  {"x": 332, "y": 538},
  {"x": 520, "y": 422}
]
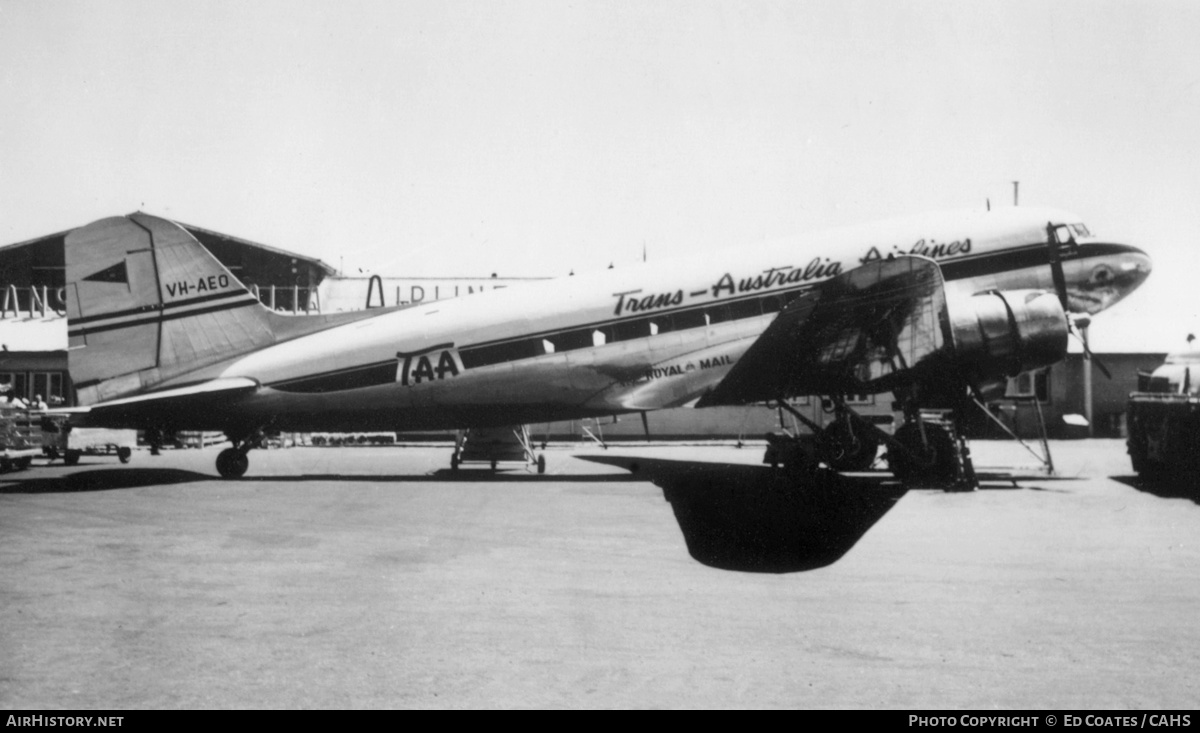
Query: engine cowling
[{"x": 1003, "y": 333}]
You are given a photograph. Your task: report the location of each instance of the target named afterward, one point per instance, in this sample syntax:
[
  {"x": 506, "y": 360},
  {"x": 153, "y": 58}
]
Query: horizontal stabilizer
[{"x": 198, "y": 406}]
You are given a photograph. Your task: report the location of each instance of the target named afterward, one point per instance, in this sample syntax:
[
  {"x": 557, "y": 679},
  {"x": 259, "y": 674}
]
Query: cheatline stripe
[
  {"x": 157, "y": 307},
  {"x": 959, "y": 268},
  {"x": 250, "y": 300}
]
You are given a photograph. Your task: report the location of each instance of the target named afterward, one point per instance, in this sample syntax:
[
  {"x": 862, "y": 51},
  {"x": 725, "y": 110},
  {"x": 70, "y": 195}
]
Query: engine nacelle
[{"x": 1003, "y": 333}]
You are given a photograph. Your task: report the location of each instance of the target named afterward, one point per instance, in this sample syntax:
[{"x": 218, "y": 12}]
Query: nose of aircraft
[{"x": 1099, "y": 281}]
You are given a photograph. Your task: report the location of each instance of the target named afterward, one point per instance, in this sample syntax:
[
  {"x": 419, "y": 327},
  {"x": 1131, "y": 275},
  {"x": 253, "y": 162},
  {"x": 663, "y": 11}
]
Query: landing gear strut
[{"x": 930, "y": 449}]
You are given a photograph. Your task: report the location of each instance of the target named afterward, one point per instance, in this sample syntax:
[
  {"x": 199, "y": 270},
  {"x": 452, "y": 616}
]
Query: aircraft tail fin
[{"x": 147, "y": 302}]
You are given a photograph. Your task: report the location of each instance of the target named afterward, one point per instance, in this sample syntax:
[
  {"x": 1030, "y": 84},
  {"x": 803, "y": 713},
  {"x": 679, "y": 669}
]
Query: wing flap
[{"x": 860, "y": 332}]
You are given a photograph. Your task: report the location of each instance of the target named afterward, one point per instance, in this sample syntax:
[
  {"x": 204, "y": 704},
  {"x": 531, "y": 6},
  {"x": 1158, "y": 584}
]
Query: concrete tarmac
[{"x": 376, "y": 578}]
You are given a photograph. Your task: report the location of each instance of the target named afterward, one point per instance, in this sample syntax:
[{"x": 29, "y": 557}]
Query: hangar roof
[
  {"x": 209, "y": 238},
  {"x": 39, "y": 261}
]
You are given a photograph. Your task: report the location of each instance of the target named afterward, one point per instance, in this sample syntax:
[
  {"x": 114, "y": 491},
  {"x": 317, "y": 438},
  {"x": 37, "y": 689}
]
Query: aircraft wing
[
  {"x": 860, "y": 332},
  {"x": 159, "y": 407}
]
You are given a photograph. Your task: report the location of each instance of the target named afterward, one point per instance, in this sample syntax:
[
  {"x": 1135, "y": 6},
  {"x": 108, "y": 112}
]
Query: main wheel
[
  {"x": 232, "y": 463},
  {"x": 541, "y": 464},
  {"x": 845, "y": 449},
  {"x": 454, "y": 461},
  {"x": 935, "y": 463},
  {"x": 71, "y": 457}
]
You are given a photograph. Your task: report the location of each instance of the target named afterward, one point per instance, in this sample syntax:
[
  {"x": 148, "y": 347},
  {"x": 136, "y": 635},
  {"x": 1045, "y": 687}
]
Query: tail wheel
[
  {"x": 124, "y": 454},
  {"x": 933, "y": 463},
  {"x": 232, "y": 463},
  {"x": 846, "y": 449}
]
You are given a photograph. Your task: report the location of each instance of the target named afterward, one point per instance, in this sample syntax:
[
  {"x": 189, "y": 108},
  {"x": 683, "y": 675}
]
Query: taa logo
[{"x": 428, "y": 365}]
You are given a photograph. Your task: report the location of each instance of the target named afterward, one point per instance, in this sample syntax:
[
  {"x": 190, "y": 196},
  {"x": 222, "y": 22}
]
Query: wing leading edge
[{"x": 860, "y": 332}]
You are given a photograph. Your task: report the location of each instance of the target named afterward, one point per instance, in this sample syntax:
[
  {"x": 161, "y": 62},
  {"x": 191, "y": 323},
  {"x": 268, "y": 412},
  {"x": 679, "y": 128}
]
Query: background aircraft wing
[{"x": 860, "y": 332}]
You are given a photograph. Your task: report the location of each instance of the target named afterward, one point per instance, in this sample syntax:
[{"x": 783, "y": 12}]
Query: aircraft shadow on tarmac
[
  {"x": 756, "y": 519},
  {"x": 1179, "y": 486},
  {"x": 115, "y": 478},
  {"x": 445, "y": 475},
  {"x": 103, "y": 479}
]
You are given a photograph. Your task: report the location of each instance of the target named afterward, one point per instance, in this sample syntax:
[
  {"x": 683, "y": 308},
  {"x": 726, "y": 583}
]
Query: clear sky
[{"x": 530, "y": 138}]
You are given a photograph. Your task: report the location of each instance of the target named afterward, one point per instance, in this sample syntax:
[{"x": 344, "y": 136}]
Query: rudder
[{"x": 147, "y": 302}]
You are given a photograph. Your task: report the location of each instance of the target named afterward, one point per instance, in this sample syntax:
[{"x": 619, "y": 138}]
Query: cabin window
[
  {"x": 629, "y": 330},
  {"x": 689, "y": 319},
  {"x": 661, "y": 324},
  {"x": 745, "y": 309},
  {"x": 499, "y": 353},
  {"x": 717, "y": 314},
  {"x": 571, "y": 340},
  {"x": 599, "y": 338}
]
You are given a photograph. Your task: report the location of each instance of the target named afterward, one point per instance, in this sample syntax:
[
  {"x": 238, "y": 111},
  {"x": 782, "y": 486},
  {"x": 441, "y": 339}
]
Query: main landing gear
[
  {"x": 848, "y": 443},
  {"x": 928, "y": 450}
]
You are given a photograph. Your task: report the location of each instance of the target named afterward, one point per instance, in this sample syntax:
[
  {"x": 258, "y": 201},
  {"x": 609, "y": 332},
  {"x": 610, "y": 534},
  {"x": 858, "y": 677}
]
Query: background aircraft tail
[{"x": 146, "y": 302}]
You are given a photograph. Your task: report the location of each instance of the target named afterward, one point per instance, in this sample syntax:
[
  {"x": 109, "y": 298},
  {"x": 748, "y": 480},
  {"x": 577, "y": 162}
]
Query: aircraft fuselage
[{"x": 638, "y": 337}]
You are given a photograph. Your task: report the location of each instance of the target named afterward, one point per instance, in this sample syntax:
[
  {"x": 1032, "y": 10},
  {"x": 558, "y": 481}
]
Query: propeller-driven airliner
[{"x": 934, "y": 309}]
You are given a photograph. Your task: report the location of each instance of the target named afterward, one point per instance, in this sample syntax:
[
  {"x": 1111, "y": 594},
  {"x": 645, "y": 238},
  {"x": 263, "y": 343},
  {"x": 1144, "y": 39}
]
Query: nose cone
[{"x": 1097, "y": 281}]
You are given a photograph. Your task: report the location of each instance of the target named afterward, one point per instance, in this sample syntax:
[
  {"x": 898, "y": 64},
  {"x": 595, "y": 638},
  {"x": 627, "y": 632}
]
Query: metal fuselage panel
[{"x": 637, "y": 338}]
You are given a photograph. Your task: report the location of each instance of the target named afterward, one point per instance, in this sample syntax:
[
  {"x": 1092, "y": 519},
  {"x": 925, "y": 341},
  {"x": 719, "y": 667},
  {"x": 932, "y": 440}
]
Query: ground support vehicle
[
  {"x": 60, "y": 440},
  {"x": 19, "y": 437},
  {"x": 1163, "y": 417},
  {"x": 1164, "y": 433},
  {"x": 494, "y": 445}
]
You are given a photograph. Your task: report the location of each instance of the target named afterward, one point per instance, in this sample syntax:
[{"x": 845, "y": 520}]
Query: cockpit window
[{"x": 1080, "y": 230}]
